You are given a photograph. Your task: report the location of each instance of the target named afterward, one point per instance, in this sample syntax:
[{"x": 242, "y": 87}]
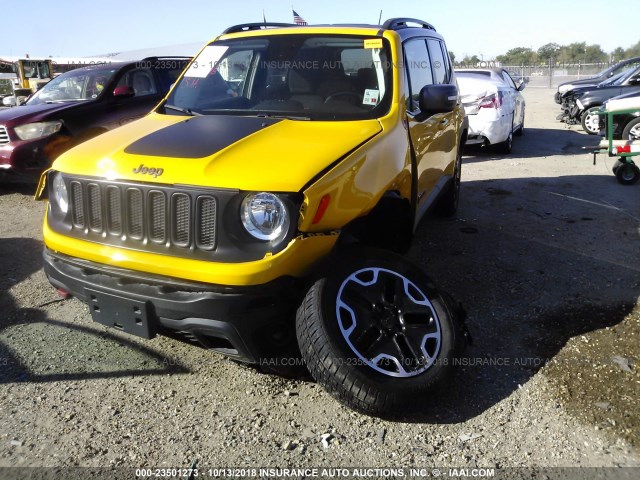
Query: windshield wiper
[
  {"x": 286, "y": 117},
  {"x": 65, "y": 100},
  {"x": 188, "y": 111}
]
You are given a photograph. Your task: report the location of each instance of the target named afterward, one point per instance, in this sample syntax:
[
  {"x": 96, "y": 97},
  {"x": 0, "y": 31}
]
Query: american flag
[{"x": 297, "y": 19}]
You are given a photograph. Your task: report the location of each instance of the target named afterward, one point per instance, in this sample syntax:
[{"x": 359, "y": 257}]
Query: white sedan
[{"x": 494, "y": 105}]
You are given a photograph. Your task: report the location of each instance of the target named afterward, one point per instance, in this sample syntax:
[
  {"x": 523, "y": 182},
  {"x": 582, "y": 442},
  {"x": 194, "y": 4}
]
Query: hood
[
  {"x": 21, "y": 114},
  {"x": 244, "y": 153}
]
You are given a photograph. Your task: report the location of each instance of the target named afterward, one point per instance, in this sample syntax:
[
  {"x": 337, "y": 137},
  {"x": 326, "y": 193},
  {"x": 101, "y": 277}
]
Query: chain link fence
[{"x": 548, "y": 76}]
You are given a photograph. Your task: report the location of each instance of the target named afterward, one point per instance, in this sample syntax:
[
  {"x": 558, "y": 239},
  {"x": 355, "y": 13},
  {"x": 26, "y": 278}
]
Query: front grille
[
  {"x": 139, "y": 215},
  {"x": 4, "y": 136}
]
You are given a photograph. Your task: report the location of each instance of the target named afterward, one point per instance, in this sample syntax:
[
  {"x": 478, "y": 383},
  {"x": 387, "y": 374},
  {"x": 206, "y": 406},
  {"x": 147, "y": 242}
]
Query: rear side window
[
  {"x": 418, "y": 67},
  {"x": 439, "y": 63},
  {"x": 508, "y": 80},
  {"x": 141, "y": 80}
]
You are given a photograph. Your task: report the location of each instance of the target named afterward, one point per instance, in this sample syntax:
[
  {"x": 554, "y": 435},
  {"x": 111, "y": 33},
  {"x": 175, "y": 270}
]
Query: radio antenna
[{"x": 380, "y": 19}]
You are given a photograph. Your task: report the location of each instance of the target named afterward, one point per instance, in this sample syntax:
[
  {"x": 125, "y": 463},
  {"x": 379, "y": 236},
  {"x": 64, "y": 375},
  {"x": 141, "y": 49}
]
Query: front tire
[
  {"x": 632, "y": 130},
  {"x": 590, "y": 121},
  {"x": 376, "y": 333}
]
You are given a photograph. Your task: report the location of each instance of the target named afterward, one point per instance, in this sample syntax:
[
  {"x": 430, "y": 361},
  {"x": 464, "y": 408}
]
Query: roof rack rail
[
  {"x": 398, "y": 23},
  {"x": 166, "y": 57},
  {"x": 245, "y": 27}
]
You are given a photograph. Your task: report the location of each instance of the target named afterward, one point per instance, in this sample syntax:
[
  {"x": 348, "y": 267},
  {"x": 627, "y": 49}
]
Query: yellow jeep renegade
[{"x": 258, "y": 207}]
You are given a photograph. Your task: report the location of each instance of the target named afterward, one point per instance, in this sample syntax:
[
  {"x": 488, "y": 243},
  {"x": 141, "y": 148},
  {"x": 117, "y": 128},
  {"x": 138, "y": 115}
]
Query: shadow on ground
[
  {"x": 536, "y": 262},
  {"x": 538, "y": 142},
  {"x": 42, "y": 348}
]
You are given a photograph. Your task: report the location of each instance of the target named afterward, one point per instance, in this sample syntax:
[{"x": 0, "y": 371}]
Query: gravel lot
[{"x": 544, "y": 255}]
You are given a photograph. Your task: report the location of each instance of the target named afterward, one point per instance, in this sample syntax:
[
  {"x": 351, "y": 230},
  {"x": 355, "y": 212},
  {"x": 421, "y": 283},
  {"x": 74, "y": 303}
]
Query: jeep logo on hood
[{"x": 142, "y": 170}]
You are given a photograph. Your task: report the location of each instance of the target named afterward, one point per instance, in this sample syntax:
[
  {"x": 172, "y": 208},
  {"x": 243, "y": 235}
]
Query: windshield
[
  {"x": 615, "y": 80},
  {"x": 6, "y": 87},
  {"x": 628, "y": 74},
  {"x": 76, "y": 85},
  {"x": 35, "y": 69},
  {"x": 624, "y": 67},
  {"x": 303, "y": 76}
]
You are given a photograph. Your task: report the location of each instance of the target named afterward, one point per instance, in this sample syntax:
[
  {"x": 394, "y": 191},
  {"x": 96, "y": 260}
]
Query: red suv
[{"x": 78, "y": 105}]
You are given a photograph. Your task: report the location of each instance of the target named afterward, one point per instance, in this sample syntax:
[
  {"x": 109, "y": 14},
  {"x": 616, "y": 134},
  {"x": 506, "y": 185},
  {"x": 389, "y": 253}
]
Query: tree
[
  {"x": 453, "y": 57},
  {"x": 594, "y": 54},
  {"x": 518, "y": 56},
  {"x": 548, "y": 51},
  {"x": 470, "y": 61},
  {"x": 573, "y": 53},
  {"x": 618, "y": 54},
  {"x": 633, "y": 51}
]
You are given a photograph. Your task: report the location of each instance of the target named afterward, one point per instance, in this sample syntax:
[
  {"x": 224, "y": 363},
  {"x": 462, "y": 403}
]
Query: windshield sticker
[
  {"x": 373, "y": 43},
  {"x": 371, "y": 97},
  {"x": 207, "y": 61}
]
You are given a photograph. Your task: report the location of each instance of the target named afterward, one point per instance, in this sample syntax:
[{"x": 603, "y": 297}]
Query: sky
[{"x": 470, "y": 27}]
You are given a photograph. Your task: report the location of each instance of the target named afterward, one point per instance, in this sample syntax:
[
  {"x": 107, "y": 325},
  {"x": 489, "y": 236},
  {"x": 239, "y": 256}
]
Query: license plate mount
[{"x": 122, "y": 313}]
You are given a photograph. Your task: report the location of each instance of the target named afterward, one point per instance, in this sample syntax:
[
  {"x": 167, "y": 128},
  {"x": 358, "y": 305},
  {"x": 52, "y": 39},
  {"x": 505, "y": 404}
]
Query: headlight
[
  {"x": 564, "y": 88},
  {"x": 264, "y": 216},
  {"x": 37, "y": 130},
  {"x": 579, "y": 104},
  {"x": 60, "y": 193}
]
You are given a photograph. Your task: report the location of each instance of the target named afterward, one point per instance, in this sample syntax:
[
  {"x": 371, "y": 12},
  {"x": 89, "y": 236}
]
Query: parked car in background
[
  {"x": 583, "y": 104},
  {"x": 494, "y": 105},
  {"x": 79, "y": 105},
  {"x": 626, "y": 126},
  {"x": 620, "y": 67}
]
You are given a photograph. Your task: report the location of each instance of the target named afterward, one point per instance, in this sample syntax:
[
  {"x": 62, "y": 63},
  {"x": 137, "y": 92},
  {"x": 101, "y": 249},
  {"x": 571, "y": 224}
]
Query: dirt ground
[{"x": 544, "y": 255}]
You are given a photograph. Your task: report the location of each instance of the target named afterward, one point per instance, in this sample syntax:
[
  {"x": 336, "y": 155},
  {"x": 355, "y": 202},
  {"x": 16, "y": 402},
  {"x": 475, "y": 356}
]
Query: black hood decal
[{"x": 198, "y": 137}]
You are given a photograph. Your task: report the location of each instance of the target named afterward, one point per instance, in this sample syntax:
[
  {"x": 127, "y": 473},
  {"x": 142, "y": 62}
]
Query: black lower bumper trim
[{"x": 249, "y": 324}]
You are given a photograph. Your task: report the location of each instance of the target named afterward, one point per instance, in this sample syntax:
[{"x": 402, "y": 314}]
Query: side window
[
  {"x": 235, "y": 67},
  {"x": 438, "y": 62},
  {"x": 418, "y": 69},
  {"x": 141, "y": 80}
]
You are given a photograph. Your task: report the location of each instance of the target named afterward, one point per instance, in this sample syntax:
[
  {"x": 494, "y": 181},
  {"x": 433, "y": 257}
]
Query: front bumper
[
  {"x": 249, "y": 324},
  {"x": 29, "y": 158}
]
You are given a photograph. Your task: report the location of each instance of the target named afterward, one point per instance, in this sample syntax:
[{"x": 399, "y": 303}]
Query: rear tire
[
  {"x": 520, "y": 131},
  {"x": 376, "y": 333},
  {"x": 506, "y": 146}
]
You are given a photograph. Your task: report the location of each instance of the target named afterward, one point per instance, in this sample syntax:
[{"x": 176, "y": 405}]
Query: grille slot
[
  {"x": 136, "y": 215},
  {"x": 4, "y": 136},
  {"x": 206, "y": 222},
  {"x": 181, "y": 212},
  {"x": 114, "y": 210},
  {"x": 94, "y": 196},
  {"x": 157, "y": 217},
  {"x": 77, "y": 202}
]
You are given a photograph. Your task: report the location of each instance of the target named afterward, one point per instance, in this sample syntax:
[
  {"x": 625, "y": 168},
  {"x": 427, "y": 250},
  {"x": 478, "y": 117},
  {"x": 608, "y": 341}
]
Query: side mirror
[
  {"x": 9, "y": 101},
  {"x": 123, "y": 91},
  {"x": 521, "y": 84},
  {"x": 438, "y": 99}
]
